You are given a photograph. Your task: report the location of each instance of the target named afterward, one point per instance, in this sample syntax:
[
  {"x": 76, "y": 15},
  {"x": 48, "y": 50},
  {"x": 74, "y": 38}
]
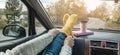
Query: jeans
[{"x": 55, "y": 47}]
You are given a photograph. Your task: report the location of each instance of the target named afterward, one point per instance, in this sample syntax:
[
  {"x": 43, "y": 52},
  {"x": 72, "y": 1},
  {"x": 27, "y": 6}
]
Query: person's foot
[
  {"x": 69, "y": 23},
  {"x": 66, "y": 16}
]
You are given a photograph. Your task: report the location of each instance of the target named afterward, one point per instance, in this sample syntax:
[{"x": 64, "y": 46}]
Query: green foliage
[
  {"x": 2, "y": 19},
  {"x": 13, "y": 10},
  {"x": 2, "y": 23}
]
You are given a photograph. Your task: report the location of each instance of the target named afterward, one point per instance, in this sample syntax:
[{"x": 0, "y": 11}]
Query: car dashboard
[{"x": 102, "y": 42}]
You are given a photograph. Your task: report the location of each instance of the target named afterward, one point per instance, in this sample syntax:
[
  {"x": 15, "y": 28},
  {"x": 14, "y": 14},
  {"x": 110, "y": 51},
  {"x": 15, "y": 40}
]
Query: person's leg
[{"x": 55, "y": 47}]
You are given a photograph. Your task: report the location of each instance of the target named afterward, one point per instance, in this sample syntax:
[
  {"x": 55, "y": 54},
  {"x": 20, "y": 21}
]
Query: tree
[
  {"x": 116, "y": 14},
  {"x": 58, "y": 9},
  {"x": 13, "y": 10},
  {"x": 101, "y": 12},
  {"x": 79, "y": 8},
  {"x": 2, "y": 19},
  {"x": 0, "y": 14}
]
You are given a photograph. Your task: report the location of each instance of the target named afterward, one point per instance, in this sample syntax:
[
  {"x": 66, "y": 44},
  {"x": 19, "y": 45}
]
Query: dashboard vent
[
  {"x": 111, "y": 45},
  {"x": 95, "y": 43}
]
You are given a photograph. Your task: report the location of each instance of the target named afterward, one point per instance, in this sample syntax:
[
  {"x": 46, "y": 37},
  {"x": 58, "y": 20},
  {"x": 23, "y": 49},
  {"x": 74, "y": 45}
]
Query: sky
[
  {"x": 91, "y": 4},
  {"x": 2, "y": 3},
  {"x": 48, "y": 2}
]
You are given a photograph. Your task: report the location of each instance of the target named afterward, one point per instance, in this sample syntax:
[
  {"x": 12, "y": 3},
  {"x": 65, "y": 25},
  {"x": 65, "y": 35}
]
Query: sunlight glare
[{"x": 92, "y": 4}]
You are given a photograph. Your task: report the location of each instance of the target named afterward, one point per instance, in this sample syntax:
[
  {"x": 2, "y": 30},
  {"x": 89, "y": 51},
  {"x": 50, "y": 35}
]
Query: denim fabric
[{"x": 55, "y": 47}]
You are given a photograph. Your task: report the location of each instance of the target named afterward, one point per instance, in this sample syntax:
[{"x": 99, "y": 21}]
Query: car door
[{"x": 36, "y": 24}]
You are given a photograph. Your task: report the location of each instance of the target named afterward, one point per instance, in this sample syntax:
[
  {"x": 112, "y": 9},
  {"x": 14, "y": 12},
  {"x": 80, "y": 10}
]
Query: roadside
[{"x": 96, "y": 23}]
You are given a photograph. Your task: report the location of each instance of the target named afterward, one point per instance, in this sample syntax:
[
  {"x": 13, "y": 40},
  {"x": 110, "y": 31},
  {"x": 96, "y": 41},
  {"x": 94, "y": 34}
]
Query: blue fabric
[{"x": 55, "y": 47}]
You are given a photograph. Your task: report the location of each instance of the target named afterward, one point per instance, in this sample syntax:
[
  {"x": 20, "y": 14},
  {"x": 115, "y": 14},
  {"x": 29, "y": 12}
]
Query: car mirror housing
[{"x": 14, "y": 31}]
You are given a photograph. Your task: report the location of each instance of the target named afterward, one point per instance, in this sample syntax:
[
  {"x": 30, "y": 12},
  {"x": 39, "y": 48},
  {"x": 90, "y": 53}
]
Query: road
[{"x": 94, "y": 23}]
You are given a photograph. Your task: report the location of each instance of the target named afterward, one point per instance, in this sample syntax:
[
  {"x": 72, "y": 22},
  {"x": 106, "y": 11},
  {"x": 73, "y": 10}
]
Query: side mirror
[{"x": 14, "y": 31}]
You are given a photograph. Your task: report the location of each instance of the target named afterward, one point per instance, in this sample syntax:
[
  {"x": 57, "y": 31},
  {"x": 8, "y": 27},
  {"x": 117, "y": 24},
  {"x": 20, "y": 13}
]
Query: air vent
[
  {"x": 95, "y": 43},
  {"x": 111, "y": 45}
]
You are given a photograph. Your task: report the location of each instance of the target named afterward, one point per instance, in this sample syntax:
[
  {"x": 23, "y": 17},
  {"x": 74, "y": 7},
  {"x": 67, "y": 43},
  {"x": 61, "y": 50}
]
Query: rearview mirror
[{"x": 14, "y": 31}]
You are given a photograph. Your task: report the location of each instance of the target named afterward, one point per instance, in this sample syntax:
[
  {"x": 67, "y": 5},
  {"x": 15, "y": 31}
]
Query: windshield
[{"x": 98, "y": 14}]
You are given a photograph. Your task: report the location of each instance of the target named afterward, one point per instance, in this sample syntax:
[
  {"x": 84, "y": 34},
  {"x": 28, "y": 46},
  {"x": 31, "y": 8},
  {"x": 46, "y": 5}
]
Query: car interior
[{"x": 101, "y": 42}]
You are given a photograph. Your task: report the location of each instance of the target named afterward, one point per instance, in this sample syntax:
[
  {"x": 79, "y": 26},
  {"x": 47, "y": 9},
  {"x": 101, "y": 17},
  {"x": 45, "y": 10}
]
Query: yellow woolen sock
[
  {"x": 66, "y": 16},
  {"x": 68, "y": 24}
]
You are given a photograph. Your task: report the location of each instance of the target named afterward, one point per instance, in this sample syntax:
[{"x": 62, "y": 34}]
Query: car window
[
  {"x": 14, "y": 12},
  {"x": 39, "y": 27},
  {"x": 98, "y": 14}
]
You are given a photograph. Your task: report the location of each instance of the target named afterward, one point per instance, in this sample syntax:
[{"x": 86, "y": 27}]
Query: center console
[
  {"x": 102, "y": 47},
  {"x": 102, "y": 42}
]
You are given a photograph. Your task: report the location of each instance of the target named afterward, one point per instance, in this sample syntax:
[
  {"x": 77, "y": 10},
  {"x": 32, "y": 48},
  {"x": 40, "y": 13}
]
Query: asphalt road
[{"x": 94, "y": 23}]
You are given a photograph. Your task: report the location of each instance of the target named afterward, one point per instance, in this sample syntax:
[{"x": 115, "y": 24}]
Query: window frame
[{"x": 42, "y": 17}]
